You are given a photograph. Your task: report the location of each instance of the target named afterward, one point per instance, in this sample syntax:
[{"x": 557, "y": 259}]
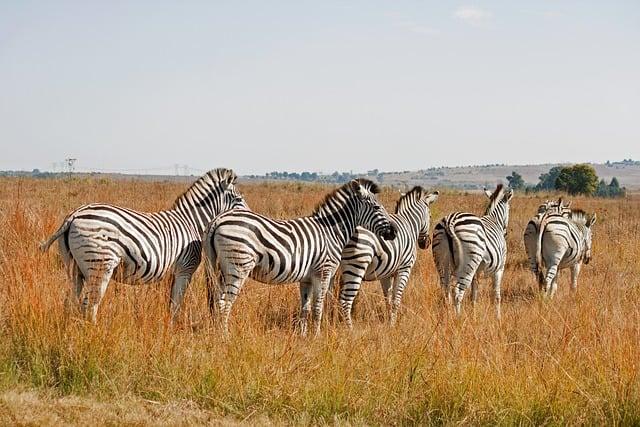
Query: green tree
[
  {"x": 577, "y": 179},
  {"x": 515, "y": 181},
  {"x": 548, "y": 180}
]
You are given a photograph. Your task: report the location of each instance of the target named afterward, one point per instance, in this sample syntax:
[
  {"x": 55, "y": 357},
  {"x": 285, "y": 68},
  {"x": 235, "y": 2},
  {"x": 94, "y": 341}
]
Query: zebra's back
[{"x": 276, "y": 251}]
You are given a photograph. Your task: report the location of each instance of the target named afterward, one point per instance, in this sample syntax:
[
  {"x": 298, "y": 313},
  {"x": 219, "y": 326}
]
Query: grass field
[{"x": 573, "y": 360}]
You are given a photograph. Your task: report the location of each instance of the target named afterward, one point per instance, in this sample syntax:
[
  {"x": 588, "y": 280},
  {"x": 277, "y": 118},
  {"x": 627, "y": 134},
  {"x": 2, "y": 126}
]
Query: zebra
[
  {"x": 367, "y": 257},
  {"x": 95, "y": 240},
  {"x": 465, "y": 244},
  {"x": 563, "y": 242},
  {"x": 242, "y": 244},
  {"x": 531, "y": 230}
]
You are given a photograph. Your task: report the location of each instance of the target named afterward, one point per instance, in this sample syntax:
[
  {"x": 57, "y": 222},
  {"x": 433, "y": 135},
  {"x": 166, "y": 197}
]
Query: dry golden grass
[{"x": 572, "y": 360}]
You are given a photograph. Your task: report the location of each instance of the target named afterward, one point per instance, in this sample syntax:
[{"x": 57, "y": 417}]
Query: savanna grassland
[{"x": 572, "y": 360}]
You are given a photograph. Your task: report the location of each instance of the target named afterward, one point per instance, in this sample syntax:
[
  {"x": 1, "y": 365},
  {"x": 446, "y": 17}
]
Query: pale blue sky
[{"x": 318, "y": 86}]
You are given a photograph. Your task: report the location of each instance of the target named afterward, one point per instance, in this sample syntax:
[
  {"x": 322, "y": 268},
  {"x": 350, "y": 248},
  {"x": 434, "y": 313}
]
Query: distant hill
[
  {"x": 462, "y": 177},
  {"x": 476, "y": 177},
  {"x": 467, "y": 177}
]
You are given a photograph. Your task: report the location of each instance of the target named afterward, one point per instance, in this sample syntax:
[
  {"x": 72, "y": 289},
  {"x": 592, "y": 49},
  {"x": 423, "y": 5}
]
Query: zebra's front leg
[
  {"x": 575, "y": 271},
  {"x": 497, "y": 280},
  {"x": 387, "y": 291},
  {"x": 351, "y": 282},
  {"x": 400, "y": 282},
  {"x": 181, "y": 281},
  {"x": 320, "y": 287},
  {"x": 305, "y": 306}
]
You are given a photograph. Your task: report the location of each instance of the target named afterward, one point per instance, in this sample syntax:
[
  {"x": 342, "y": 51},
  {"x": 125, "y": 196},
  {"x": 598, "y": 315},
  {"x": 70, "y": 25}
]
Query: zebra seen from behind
[
  {"x": 531, "y": 230},
  {"x": 367, "y": 257},
  {"x": 563, "y": 242},
  {"x": 96, "y": 239},
  {"x": 465, "y": 244},
  {"x": 246, "y": 244}
]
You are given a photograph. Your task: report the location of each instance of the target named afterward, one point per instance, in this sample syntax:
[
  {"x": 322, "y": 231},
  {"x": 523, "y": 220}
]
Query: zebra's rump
[{"x": 146, "y": 244}]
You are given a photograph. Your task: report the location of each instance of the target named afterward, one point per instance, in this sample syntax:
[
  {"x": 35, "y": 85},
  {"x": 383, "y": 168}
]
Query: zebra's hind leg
[
  {"x": 94, "y": 290},
  {"x": 305, "y": 306},
  {"x": 474, "y": 290},
  {"x": 402, "y": 277},
  {"x": 575, "y": 271},
  {"x": 497, "y": 280}
]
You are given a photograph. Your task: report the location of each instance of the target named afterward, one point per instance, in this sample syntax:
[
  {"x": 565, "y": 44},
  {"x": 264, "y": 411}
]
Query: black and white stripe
[
  {"x": 246, "y": 244},
  {"x": 531, "y": 230},
  {"x": 563, "y": 242},
  {"x": 465, "y": 244},
  {"x": 97, "y": 240},
  {"x": 367, "y": 257}
]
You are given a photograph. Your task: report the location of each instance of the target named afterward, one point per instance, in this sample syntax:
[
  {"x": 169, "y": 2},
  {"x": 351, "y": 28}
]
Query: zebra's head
[
  {"x": 370, "y": 213},
  {"x": 499, "y": 204},
  {"x": 588, "y": 233},
  {"x": 554, "y": 206},
  {"x": 415, "y": 205},
  {"x": 212, "y": 194}
]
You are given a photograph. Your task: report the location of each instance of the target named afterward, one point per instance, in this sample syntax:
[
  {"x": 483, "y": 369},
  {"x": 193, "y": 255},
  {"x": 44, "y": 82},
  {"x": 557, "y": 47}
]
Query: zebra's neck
[
  {"x": 197, "y": 216},
  {"x": 414, "y": 214},
  {"x": 498, "y": 215},
  {"x": 339, "y": 214}
]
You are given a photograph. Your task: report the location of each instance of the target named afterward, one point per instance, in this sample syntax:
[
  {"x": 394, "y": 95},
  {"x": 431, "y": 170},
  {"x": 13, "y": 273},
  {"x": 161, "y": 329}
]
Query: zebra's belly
[
  {"x": 382, "y": 269},
  {"x": 274, "y": 276}
]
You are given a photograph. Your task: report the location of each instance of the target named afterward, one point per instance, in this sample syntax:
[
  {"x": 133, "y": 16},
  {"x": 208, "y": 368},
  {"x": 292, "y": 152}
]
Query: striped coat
[
  {"x": 246, "y": 244},
  {"x": 367, "y": 257},
  {"x": 465, "y": 244},
  {"x": 563, "y": 242},
  {"x": 98, "y": 240},
  {"x": 531, "y": 230}
]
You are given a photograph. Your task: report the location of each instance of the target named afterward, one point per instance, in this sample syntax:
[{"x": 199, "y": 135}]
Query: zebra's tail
[
  {"x": 45, "y": 244},
  {"x": 211, "y": 268},
  {"x": 456, "y": 246},
  {"x": 540, "y": 273}
]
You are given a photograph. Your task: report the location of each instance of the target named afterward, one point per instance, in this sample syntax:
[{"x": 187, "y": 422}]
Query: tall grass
[{"x": 570, "y": 360}]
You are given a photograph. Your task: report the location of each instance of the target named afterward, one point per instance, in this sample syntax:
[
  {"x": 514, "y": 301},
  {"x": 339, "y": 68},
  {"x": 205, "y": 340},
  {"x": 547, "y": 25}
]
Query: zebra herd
[{"x": 348, "y": 231}]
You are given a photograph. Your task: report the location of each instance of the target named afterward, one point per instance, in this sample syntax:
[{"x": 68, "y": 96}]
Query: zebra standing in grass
[
  {"x": 367, "y": 257},
  {"x": 563, "y": 242},
  {"x": 465, "y": 244},
  {"x": 96, "y": 238},
  {"x": 245, "y": 244},
  {"x": 531, "y": 231}
]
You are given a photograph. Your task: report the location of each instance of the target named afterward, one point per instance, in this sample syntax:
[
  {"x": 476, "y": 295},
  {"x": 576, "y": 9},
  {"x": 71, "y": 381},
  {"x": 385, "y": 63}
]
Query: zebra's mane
[
  {"x": 408, "y": 197},
  {"x": 203, "y": 186},
  {"x": 348, "y": 188},
  {"x": 495, "y": 198},
  {"x": 579, "y": 216}
]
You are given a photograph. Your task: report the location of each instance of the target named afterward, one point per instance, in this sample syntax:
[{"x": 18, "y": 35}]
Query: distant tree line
[{"x": 576, "y": 179}]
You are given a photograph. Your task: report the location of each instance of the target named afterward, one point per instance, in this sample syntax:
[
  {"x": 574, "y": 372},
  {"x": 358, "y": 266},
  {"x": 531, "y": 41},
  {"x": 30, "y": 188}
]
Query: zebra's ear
[
  {"x": 430, "y": 198},
  {"x": 591, "y": 220},
  {"x": 509, "y": 194},
  {"x": 488, "y": 193},
  {"x": 358, "y": 188}
]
